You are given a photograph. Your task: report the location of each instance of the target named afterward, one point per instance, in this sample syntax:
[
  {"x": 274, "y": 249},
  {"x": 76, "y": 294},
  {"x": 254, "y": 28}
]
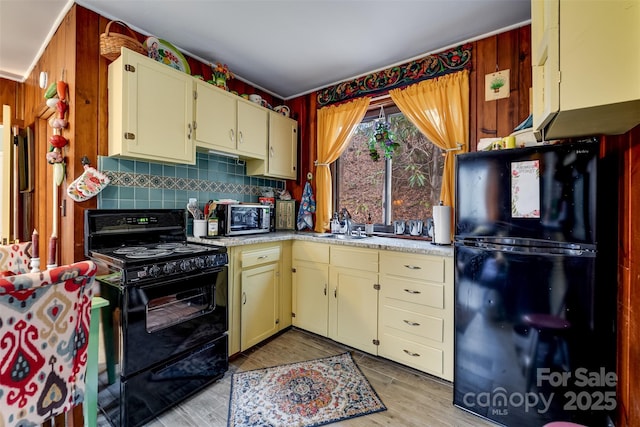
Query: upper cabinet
[
  {"x": 150, "y": 110},
  {"x": 228, "y": 123},
  {"x": 586, "y": 64},
  {"x": 282, "y": 149}
]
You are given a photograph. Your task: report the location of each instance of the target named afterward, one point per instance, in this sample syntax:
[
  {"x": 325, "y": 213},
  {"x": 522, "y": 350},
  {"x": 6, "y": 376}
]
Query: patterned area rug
[{"x": 310, "y": 393}]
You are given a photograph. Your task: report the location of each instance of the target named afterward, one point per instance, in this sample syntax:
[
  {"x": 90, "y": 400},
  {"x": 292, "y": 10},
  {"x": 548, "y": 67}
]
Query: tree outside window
[{"x": 402, "y": 188}]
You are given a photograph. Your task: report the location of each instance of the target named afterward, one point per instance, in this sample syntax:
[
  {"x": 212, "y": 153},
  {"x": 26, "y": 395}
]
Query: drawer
[
  {"x": 418, "y": 356},
  {"x": 314, "y": 252},
  {"x": 420, "y": 325},
  {"x": 353, "y": 258},
  {"x": 413, "y": 291},
  {"x": 422, "y": 267},
  {"x": 261, "y": 256}
]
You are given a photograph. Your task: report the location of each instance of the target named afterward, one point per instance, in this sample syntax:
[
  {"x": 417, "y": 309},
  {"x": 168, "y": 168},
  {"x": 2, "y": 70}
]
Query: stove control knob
[
  {"x": 169, "y": 267},
  {"x": 154, "y": 270},
  {"x": 186, "y": 265},
  {"x": 199, "y": 262}
]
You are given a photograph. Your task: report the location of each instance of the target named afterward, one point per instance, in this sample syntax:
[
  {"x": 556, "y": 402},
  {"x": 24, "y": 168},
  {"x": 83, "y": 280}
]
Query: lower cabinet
[
  {"x": 393, "y": 304},
  {"x": 260, "y": 309},
  {"x": 353, "y": 297},
  {"x": 310, "y": 281},
  {"x": 415, "y": 324},
  {"x": 256, "y": 294}
]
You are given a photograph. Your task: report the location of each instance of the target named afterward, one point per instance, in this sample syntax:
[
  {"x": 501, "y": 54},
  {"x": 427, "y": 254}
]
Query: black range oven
[{"x": 166, "y": 327}]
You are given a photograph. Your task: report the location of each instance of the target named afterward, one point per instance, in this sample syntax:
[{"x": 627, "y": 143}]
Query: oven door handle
[{"x": 171, "y": 281}]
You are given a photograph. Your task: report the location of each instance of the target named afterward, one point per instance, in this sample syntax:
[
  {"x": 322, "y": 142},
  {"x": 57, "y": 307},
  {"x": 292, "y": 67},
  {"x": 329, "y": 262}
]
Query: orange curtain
[
  {"x": 336, "y": 125},
  {"x": 440, "y": 109}
]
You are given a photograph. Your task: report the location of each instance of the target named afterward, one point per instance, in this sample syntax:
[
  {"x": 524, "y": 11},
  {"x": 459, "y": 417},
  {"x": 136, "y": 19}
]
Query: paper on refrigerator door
[{"x": 525, "y": 189}]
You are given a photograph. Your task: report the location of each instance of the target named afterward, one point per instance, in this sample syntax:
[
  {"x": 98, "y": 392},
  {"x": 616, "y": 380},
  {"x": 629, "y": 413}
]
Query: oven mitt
[{"x": 87, "y": 185}]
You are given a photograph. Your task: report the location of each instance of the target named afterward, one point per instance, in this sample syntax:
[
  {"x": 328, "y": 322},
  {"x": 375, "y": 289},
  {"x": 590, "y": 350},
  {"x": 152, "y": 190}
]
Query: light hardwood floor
[{"x": 412, "y": 398}]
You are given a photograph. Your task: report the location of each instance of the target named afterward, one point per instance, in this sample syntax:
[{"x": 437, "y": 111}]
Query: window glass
[{"x": 403, "y": 188}]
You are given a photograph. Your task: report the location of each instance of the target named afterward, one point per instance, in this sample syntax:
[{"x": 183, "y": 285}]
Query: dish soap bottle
[{"x": 368, "y": 226}]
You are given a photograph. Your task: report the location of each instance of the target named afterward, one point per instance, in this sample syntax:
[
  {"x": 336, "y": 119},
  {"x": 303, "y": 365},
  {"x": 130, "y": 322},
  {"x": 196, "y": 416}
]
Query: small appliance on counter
[{"x": 243, "y": 218}]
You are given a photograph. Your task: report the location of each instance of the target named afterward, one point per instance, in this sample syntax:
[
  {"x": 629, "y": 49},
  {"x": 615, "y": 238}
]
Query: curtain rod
[{"x": 381, "y": 97}]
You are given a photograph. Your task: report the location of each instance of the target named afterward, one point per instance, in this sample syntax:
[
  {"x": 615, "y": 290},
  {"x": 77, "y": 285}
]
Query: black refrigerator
[{"x": 535, "y": 285}]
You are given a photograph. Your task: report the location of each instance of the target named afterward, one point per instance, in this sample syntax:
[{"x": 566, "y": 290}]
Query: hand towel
[{"x": 307, "y": 208}]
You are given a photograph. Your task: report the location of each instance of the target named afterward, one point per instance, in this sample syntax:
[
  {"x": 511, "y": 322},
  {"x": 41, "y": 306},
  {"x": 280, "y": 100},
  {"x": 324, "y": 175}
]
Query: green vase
[{"x": 221, "y": 82}]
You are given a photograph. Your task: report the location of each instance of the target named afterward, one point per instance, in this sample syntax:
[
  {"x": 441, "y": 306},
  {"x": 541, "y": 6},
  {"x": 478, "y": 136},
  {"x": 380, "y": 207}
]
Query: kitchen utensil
[
  {"x": 415, "y": 227},
  {"x": 399, "y": 227}
]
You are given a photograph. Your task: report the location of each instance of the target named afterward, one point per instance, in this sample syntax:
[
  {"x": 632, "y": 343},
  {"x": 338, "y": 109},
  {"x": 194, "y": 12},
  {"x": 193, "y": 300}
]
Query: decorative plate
[{"x": 165, "y": 52}]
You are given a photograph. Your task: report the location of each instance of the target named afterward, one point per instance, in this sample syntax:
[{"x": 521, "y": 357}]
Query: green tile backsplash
[{"x": 142, "y": 185}]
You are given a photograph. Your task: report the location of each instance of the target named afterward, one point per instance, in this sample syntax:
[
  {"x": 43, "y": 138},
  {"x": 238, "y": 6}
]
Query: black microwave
[{"x": 243, "y": 218}]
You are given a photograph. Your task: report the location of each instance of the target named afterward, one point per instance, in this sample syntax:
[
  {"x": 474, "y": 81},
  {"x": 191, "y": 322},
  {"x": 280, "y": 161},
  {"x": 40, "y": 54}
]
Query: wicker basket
[{"x": 110, "y": 43}]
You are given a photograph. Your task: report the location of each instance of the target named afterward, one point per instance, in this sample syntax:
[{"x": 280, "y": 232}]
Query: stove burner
[
  {"x": 129, "y": 249},
  {"x": 148, "y": 253},
  {"x": 187, "y": 249},
  {"x": 168, "y": 245}
]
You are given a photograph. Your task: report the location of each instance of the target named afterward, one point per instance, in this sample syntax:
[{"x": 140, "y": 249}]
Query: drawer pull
[
  {"x": 263, "y": 256},
  {"x": 411, "y": 291},
  {"x": 412, "y": 354},
  {"x": 410, "y": 323},
  {"x": 413, "y": 267}
]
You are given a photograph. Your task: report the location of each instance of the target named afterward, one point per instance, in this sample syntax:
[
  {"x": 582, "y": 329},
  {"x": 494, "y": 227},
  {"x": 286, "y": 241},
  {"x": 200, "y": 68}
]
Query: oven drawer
[{"x": 146, "y": 395}]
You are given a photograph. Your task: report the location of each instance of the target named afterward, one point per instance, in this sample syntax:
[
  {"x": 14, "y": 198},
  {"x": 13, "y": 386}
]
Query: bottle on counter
[
  {"x": 335, "y": 224},
  {"x": 212, "y": 221},
  {"x": 368, "y": 226}
]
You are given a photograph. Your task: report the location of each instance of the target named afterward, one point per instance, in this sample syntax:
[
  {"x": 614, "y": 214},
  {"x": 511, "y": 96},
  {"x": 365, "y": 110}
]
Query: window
[{"x": 402, "y": 188}]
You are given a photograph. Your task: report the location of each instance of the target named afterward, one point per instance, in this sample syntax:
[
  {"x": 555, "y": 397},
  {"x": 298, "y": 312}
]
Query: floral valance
[{"x": 431, "y": 66}]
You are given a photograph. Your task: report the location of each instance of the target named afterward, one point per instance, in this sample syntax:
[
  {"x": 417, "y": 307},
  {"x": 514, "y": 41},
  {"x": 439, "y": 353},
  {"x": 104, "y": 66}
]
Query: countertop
[{"x": 373, "y": 242}]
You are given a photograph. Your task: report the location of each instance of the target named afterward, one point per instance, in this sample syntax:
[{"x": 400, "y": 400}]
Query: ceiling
[{"x": 287, "y": 47}]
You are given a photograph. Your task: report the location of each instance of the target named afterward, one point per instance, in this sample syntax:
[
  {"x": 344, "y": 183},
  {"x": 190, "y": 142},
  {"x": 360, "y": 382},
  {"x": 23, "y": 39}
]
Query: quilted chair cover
[
  {"x": 15, "y": 258},
  {"x": 44, "y": 333}
]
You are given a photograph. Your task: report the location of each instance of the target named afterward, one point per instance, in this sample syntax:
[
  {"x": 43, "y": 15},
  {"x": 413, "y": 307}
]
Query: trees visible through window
[{"x": 402, "y": 188}]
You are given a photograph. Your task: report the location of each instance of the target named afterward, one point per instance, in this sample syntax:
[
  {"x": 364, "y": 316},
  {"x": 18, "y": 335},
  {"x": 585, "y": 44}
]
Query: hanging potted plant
[{"x": 382, "y": 137}]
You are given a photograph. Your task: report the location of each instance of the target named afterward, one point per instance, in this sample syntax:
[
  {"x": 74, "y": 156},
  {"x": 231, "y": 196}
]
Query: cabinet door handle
[
  {"x": 325, "y": 289},
  {"x": 410, "y": 353},
  {"x": 240, "y": 138},
  {"x": 335, "y": 292},
  {"x": 271, "y": 151},
  {"x": 411, "y": 291},
  {"x": 189, "y": 131},
  {"x": 413, "y": 267},
  {"x": 244, "y": 298},
  {"x": 232, "y": 135},
  {"x": 410, "y": 323}
]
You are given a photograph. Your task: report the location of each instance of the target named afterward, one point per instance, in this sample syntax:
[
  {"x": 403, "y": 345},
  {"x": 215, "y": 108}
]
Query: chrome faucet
[{"x": 347, "y": 221}]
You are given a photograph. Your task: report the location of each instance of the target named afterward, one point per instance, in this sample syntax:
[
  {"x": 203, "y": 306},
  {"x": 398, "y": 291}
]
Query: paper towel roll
[{"x": 442, "y": 225}]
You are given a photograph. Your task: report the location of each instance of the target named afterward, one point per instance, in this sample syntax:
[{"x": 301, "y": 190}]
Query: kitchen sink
[{"x": 342, "y": 237}]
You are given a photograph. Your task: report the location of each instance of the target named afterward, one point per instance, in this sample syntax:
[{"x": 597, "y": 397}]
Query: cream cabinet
[
  {"x": 260, "y": 299},
  {"x": 150, "y": 110},
  {"x": 586, "y": 64},
  {"x": 310, "y": 281},
  {"x": 282, "y": 150},
  {"x": 228, "y": 123},
  {"x": 415, "y": 324},
  {"x": 353, "y": 297}
]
